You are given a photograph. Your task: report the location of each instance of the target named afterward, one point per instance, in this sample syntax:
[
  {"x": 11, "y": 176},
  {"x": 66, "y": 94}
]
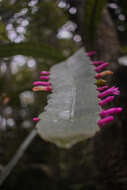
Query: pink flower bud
[
  {"x": 42, "y": 88},
  {"x": 45, "y": 73},
  {"x": 100, "y": 67},
  {"x": 44, "y": 77},
  {"x": 36, "y": 119},
  {"x": 103, "y": 74},
  {"x": 36, "y": 83},
  {"x": 91, "y": 53},
  {"x": 48, "y": 89},
  {"x": 112, "y": 91},
  {"x": 105, "y": 121},
  {"x": 98, "y": 75},
  {"x": 106, "y": 100},
  {"x": 110, "y": 111},
  {"x": 102, "y": 88},
  {"x": 96, "y": 63}
]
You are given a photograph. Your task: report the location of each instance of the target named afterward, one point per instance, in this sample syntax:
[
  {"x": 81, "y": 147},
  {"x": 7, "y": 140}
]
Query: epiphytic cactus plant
[{"x": 71, "y": 113}]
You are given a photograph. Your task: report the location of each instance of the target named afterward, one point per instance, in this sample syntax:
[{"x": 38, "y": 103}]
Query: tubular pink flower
[
  {"x": 110, "y": 91},
  {"x": 44, "y": 77},
  {"x": 102, "y": 88},
  {"x": 105, "y": 121},
  {"x": 110, "y": 111},
  {"x": 91, "y": 53},
  {"x": 106, "y": 100},
  {"x": 36, "y": 119},
  {"x": 96, "y": 63},
  {"x": 100, "y": 67},
  {"x": 36, "y": 83},
  {"x": 45, "y": 73}
]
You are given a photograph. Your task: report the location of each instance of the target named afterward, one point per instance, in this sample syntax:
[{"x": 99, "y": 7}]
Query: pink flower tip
[
  {"x": 97, "y": 63},
  {"x": 45, "y": 73},
  {"x": 113, "y": 90},
  {"x": 100, "y": 67},
  {"x": 36, "y": 83},
  {"x": 48, "y": 89},
  {"x": 105, "y": 121},
  {"x": 44, "y": 77},
  {"x": 102, "y": 88},
  {"x": 106, "y": 100},
  {"x": 98, "y": 75},
  {"x": 91, "y": 53},
  {"x": 36, "y": 119}
]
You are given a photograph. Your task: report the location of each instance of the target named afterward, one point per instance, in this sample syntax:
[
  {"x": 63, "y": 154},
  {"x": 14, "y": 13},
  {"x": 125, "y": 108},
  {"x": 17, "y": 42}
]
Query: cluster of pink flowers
[
  {"x": 44, "y": 85},
  {"x": 106, "y": 94}
]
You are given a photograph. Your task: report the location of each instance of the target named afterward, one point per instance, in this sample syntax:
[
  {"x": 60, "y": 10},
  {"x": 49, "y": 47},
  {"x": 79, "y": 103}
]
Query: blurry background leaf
[
  {"x": 93, "y": 12},
  {"x": 31, "y": 49}
]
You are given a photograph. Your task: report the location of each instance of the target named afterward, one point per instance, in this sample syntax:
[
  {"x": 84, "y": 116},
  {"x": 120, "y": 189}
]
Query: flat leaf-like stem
[{"x": 72, "y": 111}]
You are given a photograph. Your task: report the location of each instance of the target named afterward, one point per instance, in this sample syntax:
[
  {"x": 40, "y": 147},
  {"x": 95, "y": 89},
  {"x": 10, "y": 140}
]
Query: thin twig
[{"x": 6, "y": 171}]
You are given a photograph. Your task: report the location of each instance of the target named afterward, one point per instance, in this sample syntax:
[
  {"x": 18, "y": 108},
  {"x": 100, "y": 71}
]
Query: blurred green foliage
[
  {"x": 45, "y": 23},
  {"x": 93, "y": 11},
  {"x": 3, "y": 33},
  {"x": 31, "y": 49}
]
